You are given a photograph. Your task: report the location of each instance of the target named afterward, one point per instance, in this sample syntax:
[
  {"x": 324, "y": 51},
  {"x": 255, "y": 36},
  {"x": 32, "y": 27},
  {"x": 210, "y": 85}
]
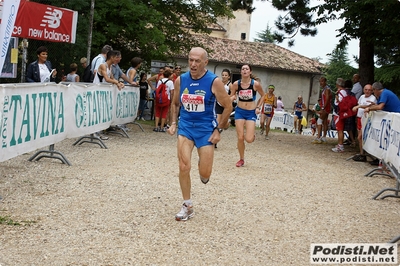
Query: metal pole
[
  {"x": 90, "y": 30},
  {"x": 24, "y": 58}
]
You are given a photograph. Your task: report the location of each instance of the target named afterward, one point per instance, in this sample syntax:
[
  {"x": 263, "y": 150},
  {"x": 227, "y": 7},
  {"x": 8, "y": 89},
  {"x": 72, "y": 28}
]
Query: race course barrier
[
  {"x": 35, "y": 115},
  {"x": 381, "y": 138}
]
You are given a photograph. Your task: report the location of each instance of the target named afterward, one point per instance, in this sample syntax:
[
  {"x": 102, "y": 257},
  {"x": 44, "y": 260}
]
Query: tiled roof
[{"x": 257, "y": 54}]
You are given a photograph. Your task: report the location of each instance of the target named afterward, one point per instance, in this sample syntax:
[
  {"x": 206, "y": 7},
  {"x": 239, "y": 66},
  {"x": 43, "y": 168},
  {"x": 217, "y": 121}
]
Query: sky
[{"x": 312, "y": 47}]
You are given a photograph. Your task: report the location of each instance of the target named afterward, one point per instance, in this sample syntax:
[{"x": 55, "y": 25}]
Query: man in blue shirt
[
  {"x": 194, "y": 99},
  {"x": 387, "y": 100}
]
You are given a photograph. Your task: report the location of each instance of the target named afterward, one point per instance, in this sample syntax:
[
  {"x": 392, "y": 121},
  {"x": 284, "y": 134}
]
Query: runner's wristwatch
[{"x": 219, "y": 130}]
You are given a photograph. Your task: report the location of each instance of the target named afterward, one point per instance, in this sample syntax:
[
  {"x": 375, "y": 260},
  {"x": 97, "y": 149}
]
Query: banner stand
[
  {"x": 395, "y": 190},
  {"x": 114, "y": 130},
  {"x": 139, "y": 125},
  {"x": 380, "y": 170},
  {"x": 53, "y": 155},
  {"x": 394, "y": 240},
  {"x": 92, "y": 139}
]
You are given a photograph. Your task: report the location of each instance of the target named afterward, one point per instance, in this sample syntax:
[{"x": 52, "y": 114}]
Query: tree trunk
[{"x": 366, "y": 63}]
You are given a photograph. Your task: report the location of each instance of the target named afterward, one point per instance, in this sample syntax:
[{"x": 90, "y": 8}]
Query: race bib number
[
  {"x": 245, "y": 94},
  {"x": 267, "y": 108},
  {"x": 193, "y": 102}
]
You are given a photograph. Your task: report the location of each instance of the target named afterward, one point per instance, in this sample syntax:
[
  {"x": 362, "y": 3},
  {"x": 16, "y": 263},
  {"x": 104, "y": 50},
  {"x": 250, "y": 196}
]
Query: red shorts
[
  {"x": 359, "y": 126},
  {"x": 339, "y": 124},
  {"x": 161, "y": 111}
]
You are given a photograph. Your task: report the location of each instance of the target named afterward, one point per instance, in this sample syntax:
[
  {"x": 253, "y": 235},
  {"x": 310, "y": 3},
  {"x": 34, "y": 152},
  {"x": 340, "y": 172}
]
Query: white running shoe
[
  {"x": 338, "y": 148},
  {"x": 185, "y": 213}
]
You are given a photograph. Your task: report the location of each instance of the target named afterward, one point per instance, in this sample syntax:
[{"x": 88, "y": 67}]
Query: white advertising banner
[
  {"x": 381, "y": 137},
  {"x": 282, "y": 120},
  {"x": 35, "y": 115},
  {"x": 8, "y": 17}
]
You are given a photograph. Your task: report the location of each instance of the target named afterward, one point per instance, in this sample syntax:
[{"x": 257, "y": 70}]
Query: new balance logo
[{"x": 52, "y": 18}]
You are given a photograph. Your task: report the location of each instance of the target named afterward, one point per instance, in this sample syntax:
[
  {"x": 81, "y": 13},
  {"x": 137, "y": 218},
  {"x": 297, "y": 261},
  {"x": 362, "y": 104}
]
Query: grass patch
[{"x": 6, "y": 220}]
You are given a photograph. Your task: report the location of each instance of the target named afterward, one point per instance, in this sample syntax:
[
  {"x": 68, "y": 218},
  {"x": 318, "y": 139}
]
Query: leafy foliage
[
  {"x": 338, "y": 66},
  {"x": 373, "y": 22},
  {"x": 265, "y": 36},
  {"x": 149, "y": 29}
]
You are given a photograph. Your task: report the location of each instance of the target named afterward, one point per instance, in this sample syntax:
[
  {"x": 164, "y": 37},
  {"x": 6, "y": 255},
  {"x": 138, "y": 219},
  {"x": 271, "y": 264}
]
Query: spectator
[
  {"x": 177, "y": 73},
  {"x": 197, "y": 124},
  {"x": 350, "y": 123},
  {"x": 387, "y": 100},
  {"x": 99, "y": 59},
  {"x": 104, "y": 75},
  {"x": 279, "y": 104},
  {"x": 41, "y": 70},
  {"x": 268, "y": 103},
  {"x": 144, "y": 95},
  {"x": 341, "y": 93},
  {"x": 118, "y": 74},
  {"x": 326, "y": 99},
  {"x": 365, "y": 101},
  {"x": 247, "y": 108},
  {"x": 86, "y": 72},
  {"x": 155, "y": 78},
  {"x": 298, "y": 108},
  {"x": 72, "y": 76},
  {"x": 162, "y": 111},
  {"x": 357, "y": 89},
  {"x": 132, "y": 72},
  {"x": 104, "y": 72}
]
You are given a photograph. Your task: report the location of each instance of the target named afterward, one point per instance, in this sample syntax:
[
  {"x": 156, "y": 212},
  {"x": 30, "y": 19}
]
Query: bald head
[
  {"x": 198, "y": 60},
  {"x": 368, "y": 90},
  {"x": 199, "y": 51}
]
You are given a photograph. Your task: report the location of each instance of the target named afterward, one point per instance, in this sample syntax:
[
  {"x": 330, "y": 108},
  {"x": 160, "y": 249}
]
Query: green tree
[
  {"x": 265, "y": 36},
  {"x": 151, "y": 29},
  {"x": 338, "y": 66},
  {"x": 373, "y": 22}
]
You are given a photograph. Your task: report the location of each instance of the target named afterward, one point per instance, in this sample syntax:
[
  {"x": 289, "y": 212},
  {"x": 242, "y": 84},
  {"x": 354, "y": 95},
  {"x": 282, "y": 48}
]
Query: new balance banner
[{"x": 44, "y": 22}]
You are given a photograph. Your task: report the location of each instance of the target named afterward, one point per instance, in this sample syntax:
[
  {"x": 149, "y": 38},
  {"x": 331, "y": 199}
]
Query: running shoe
[
  {"x": 262, "y": 131},
  {"x": 360, "y": 158},
  {"x": 185, "y": 213},
  {"x": 156, "y": 129},
  {"x": 240, "y": 163},
  {"x": 323, "y": 140},
  {"x": 338, "y": 148},
  {"x": 143, "y": 119},
  {"x": 266, "y": 137},
  {"x": 317, "y": 141},
  {"x": 347, "y": 142}
]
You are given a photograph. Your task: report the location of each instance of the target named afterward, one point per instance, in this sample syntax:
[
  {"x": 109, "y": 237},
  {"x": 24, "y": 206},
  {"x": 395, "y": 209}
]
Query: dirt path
[{"x": 116, "y": 206}]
